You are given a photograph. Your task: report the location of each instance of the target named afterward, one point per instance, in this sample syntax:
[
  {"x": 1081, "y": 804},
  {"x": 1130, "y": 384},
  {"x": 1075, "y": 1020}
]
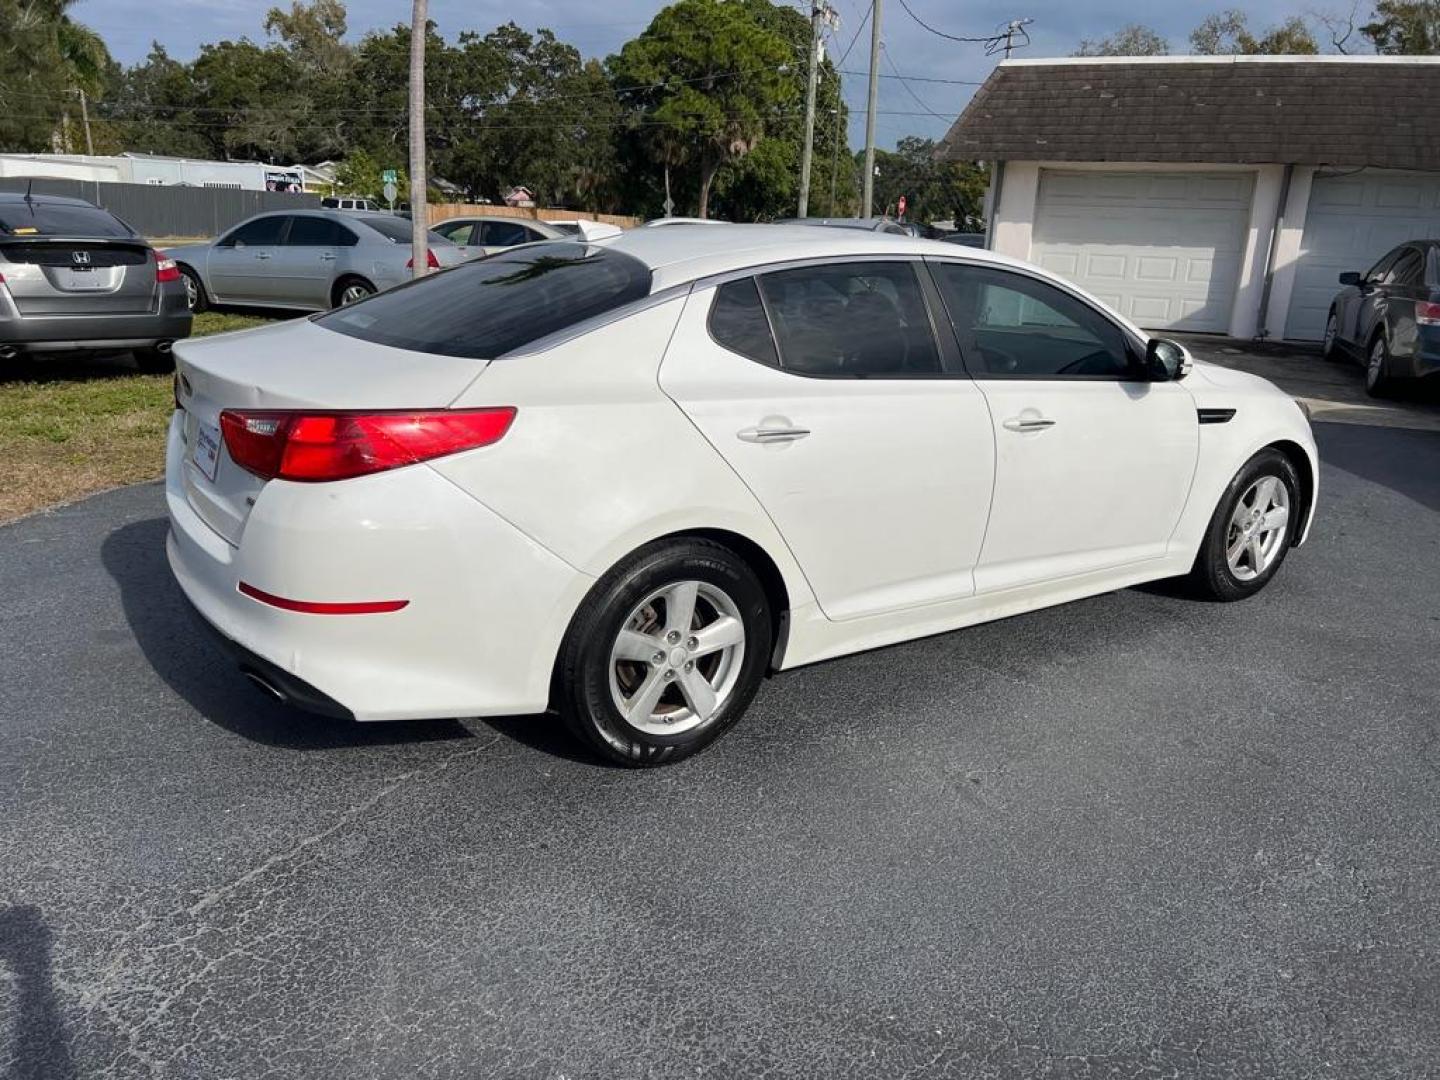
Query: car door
[
  {"x": 1093, "y": 464},
  {"x": 240, "y": 263},
  {"x": 872, "y": 455},
  {"x": 458, "y": 232},
  {"x": 306, "y": 265}
]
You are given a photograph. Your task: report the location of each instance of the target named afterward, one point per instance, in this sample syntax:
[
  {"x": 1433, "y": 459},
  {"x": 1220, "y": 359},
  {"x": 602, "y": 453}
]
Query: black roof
[{"x": 1347, "y": 111}]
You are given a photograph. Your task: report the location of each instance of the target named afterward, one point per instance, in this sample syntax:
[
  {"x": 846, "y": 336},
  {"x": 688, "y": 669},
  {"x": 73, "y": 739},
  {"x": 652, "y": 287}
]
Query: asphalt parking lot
[{"x": 1132, "y": 836}]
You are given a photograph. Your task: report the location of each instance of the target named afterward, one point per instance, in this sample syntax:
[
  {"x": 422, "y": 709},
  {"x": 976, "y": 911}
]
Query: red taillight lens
[
  {"x": 430, "y": 261},
  {"x": 1427, "y": 313},
  {"x": 322, "y": 446},
  {"x": 165, "y": 269}
]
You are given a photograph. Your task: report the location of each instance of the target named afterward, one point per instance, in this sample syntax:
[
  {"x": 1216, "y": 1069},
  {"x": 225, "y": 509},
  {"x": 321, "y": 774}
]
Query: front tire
[
  {"x": 1251, "y": 530},
  {"x": 1330, "y": 343},
  {"x": 665, "y": 654}
]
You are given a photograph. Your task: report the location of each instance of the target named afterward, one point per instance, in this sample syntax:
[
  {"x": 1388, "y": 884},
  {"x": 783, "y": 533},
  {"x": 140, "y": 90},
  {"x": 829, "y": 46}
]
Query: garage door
[
  {"x": 1353, "y": 219},
  {"x": 1163, "y": 248}
]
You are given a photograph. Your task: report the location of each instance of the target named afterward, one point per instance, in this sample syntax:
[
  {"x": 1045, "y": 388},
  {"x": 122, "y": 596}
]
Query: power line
[{"x": 949, "y": 37}]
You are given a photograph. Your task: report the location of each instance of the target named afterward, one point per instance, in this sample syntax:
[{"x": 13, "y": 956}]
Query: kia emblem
[{"x": 82, "y": 258}]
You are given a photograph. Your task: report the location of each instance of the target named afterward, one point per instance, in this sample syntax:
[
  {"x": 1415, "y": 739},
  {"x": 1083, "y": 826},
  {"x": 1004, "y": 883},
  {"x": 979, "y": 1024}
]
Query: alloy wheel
[
  {"x": 1332, "y": 331},
  {"x": 353, "y": 292},
  {"x": 1258, "y": 529},
  {"x": 677, "y": 658},
  {"x": 1375, "y": 367},
  {"x": 192, "y": 291}
]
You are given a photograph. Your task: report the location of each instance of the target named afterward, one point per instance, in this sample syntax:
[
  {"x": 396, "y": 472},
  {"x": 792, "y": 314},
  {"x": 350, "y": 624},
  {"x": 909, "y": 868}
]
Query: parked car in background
[
  {"x": 492, "y": 233},
  {"x": 870, "y": 224},
  {"x": 1389, "y": 317},
  {"x": 346, "y": 202},
  {"x": 965, "y": 239},
  {"x": 631, "y": 478},
  {"x": 656, "y": 222},
  {"x": 305, "y": 260},
  {"x": 586, "y": 229},
  {"x": 74, "y": 276}
]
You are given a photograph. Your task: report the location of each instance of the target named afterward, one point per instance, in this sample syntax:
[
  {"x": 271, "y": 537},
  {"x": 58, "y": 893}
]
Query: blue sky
[{"x": 129, "y": 26}]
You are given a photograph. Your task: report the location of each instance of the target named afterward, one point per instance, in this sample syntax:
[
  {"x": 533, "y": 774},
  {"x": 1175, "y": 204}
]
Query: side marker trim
[{"x": 311, "y": 607}]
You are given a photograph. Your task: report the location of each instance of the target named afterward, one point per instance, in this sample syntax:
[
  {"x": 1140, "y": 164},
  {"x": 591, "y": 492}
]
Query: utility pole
[
  {"x": 821, "y": 14},
  {"x": 85, "y": 119},
  {"x": 419, "y": 214},
  {"x": 868, "y": 191}
]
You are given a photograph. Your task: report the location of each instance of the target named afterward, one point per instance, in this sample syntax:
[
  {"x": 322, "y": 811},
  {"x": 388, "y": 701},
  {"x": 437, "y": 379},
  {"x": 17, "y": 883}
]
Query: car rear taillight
[
  {"x": 165, "y": 269},
  {"x": 321, "y": 446},
  {"x": 430, "y": 261},
  {"x": 1427, "y": 313}
]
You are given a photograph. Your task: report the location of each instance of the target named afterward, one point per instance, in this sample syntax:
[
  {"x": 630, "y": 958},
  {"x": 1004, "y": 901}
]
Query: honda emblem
[{"x": 82, "y": 258}]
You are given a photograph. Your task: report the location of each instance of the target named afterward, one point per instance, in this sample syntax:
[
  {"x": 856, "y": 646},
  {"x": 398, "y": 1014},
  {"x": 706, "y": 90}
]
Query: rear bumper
[
  {"x": 55, "y": 332},
  {"x": 487, "y": 607}
]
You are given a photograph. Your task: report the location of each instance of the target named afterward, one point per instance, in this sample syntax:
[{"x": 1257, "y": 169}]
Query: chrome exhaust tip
[
  {"x": 8, "y": 352},
  {"x": 163, "y": 347}
]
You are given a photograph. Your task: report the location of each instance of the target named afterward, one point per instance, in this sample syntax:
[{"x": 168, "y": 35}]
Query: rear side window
[
  {"x": 489, "y": 307},
  {"x": 40, "y": 218},
  {"x": 855, "y": 320},
  {"x": 1408, "y": 269},
  {"x": 737, "y": 322},
  {"x": 318, "y": 232},
  {"x": 504, "y": 234},
  {"x": 397, "y": 230}
]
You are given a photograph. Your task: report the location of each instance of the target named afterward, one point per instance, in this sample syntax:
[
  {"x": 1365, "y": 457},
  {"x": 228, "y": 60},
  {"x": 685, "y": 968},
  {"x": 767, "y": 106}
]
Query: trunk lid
[
  {"x": 50, "y": 276},
  {"x": 292, "y": 365}
]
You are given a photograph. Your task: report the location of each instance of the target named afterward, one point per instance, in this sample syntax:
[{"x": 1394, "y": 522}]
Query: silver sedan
[{"x": 310, "y": 260}]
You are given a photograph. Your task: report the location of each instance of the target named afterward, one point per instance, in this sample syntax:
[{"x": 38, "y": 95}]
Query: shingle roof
[{"x": 1313, "y": 111}]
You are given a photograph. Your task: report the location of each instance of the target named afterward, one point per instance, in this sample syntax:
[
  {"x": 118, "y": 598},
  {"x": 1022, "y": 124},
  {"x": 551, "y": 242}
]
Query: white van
[{"x": 347, "y": 203}]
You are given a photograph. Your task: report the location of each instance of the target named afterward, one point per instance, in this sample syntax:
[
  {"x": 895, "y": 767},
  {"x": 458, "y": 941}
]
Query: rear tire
[
  {"x": 195, "y": 295},
  {"x": 1378, "y": 381},
  {"x": 1239, "y": 555},
  {"x": 155, "y": 361},
  {"x": 350, "y": 289},
  {"x": 665, "y": 654}
]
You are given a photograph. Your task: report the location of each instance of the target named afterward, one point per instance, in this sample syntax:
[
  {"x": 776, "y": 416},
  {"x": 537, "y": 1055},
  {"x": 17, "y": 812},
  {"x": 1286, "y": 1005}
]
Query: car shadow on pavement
[
  {"x": 184, "y": 652},
  {"x": 1407, "y": 462},
  {"x": 37, "y": 1046}
]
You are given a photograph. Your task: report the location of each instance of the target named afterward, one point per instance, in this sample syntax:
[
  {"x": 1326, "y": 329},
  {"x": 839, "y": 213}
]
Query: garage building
[{"x": 1219, "y": 194}]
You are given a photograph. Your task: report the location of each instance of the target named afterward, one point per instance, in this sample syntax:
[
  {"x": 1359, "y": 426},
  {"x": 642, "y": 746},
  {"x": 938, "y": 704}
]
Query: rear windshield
[
  {"x": 486, "y": 308},
  {"x": 397, "y": 230},
  {"x": 40, "y": 218}
]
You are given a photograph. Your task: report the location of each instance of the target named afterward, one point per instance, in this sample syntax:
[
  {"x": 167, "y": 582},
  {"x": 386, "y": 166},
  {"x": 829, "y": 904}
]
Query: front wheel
[
  {"x": 1251, "y": 529},
  {"x": 665, "y": 654},
  {"x": 1332, "y": 336}
]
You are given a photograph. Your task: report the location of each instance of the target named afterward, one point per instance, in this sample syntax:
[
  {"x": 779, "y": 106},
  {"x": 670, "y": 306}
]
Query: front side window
[
  {"x": 1013, "y": 326},
  {"x": 863, "y": 319},
  {"x": 504, "y": 234},
  {"x": 1376, "y": 273},
  {"x": 489, "y": 307},
  {"x": 738, "y": 323},
  {"x": 1408, "y": 269},
  {"x": 261, "y": 232}
]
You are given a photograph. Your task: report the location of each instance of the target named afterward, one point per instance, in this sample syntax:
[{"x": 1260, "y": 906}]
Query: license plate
[{"x": 206, "y": 454}]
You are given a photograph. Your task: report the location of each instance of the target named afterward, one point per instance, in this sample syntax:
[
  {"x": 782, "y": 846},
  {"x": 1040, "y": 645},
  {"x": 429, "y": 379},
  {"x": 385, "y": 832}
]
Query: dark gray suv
[
  {"x": 1389, "y": 317},
  {"x": 74, "y": 276}
]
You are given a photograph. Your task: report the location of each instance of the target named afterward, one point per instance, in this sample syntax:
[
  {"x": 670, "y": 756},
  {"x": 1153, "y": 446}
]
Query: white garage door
[
  {"x": 1353, "y": 219},
  {"x": 1163, "y": 248}
]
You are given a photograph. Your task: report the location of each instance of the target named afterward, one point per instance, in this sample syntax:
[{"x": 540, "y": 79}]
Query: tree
[
  {"x": 934, "y": 190},
  {"x": 712, "y": 75},
  {"x": 1228, "y": 34},
  {"x": 314, "y": 33},
  {"x": 1132, "y": 40},
  {"x": 1405, "y": 27},
  {"x": 44, "y": 57}
]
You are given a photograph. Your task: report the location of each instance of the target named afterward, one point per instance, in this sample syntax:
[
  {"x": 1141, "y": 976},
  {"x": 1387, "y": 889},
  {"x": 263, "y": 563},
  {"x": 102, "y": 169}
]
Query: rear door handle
[
  {"x": 262, "y": 254},
  {"x": 327, "y": 257},
  {"x": 772, "y": 434},
  {"x": 1028, "y": 423}
]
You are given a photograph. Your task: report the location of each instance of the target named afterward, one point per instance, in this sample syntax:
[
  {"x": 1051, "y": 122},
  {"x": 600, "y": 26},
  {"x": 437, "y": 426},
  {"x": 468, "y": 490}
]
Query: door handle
[
  {"x": 327, "y": 257},
  {"x": 772, "y": 434},
  {"x": 1028, "y": 423},
  {"x": 262, "y": 254}
]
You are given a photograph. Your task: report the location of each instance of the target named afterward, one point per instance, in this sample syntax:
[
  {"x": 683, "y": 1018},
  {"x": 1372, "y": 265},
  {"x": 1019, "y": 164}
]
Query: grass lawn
[{"x": 70, "y": 426}]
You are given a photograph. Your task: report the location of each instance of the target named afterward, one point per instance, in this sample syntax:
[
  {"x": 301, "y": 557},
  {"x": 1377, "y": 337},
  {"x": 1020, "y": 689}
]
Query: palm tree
[{"x": 44, "y": 56}]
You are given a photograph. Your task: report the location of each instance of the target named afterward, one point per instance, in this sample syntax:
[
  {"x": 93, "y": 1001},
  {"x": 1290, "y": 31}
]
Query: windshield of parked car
[
  {"x": 27, "y": 217},
  {"x": 489, "y": 307},
  {"x": 397, "y": 230}
]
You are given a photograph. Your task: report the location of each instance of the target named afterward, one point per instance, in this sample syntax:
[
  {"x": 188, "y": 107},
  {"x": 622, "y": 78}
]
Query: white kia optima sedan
[{"x": 627, "y": 479}]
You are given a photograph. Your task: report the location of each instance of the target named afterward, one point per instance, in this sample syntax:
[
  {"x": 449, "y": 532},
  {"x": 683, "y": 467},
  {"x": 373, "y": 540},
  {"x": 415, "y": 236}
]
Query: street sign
[
  {"x": 389, "y": 176},
  {"x": 900, "y": 207},
  {"x": 390, "y": 191}
]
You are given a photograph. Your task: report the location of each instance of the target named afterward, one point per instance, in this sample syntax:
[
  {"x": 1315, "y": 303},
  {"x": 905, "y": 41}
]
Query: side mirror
[
  {"x": 1350, "y": 277},
  {"x": 1166, "y": 360}
]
